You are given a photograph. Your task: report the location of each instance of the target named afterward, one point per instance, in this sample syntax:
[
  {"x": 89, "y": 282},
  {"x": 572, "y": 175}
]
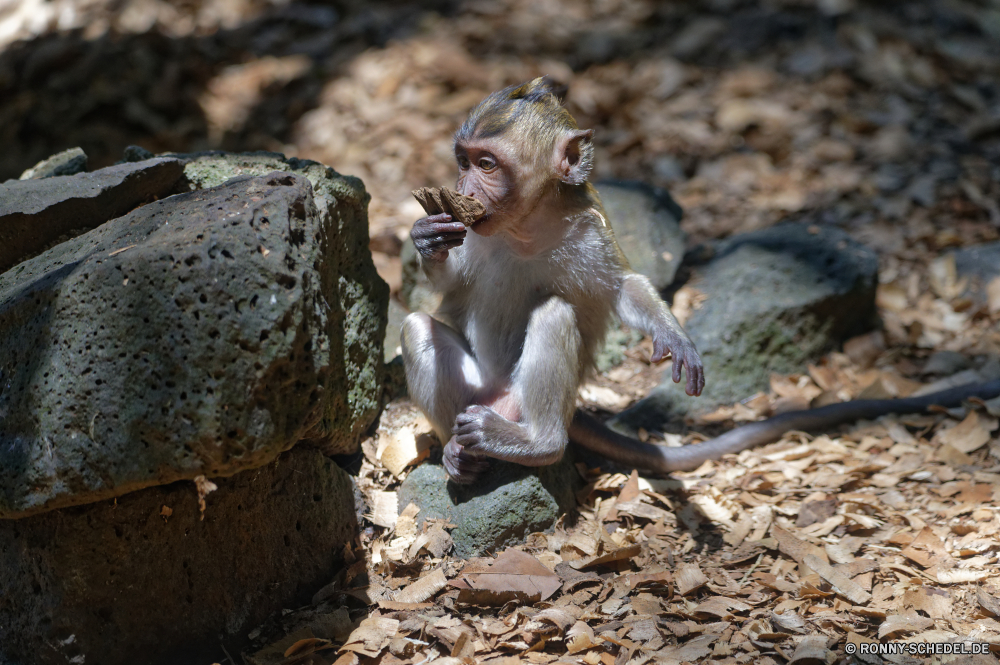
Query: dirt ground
[{"x": 882, "y": 118}]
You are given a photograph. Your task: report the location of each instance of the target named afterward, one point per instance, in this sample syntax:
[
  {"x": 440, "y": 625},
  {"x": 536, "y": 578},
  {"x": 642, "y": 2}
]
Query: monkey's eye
[
  {"x": 487, "y": 164},
  {"x": 463, "y": 162}
]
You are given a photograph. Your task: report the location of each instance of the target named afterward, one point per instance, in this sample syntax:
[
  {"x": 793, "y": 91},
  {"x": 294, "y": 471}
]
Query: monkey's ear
[{"x": 574, "y": 156}]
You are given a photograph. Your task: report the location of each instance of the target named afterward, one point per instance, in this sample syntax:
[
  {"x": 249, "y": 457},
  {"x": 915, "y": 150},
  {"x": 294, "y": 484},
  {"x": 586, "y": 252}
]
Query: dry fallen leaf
[
  {"x": 580, "y": 637},
  {"x": 513, "y": 574},
  {"x": 839, "y": 580},
  {"x": 988, "y": 602},
  {"x": 961, "y": 575},
  {"x": 423, "y": 588},
  {"x": 434, "y": 539},
  {"x": 620, "y": 554},
  {"x": 926, "y": 549},
  {"x": 691, "y": 651},
  {"x": 603, "y": 397},
  {"x": 662, "y": 578},
  {"x": 813, "y": 649},
  {"x": 689, "y": 577},
  {"x": 795, "y": 548},
  {"x": 720, "y": 607},
  {"x": 371, "y": 637},
  {"x": 204, "y": 487},
  {"x": 437, "y": 200},
  {"x": 384, "y": 508},
  {"x": 404, "y": 447},
  {"x": 935, "y": 603},
  {"x": 905, "y": 622},
  {"x": 302, "y": 650},
  {"x": 970, "y": 434}
]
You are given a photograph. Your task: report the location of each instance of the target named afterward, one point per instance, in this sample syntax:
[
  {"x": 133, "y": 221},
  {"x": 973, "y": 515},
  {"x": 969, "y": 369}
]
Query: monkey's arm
[
  {"x": 641, "y": 308},
  {"x": 590, "y": 433}
]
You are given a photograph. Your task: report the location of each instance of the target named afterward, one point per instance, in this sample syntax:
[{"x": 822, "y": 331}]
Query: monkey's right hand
[
  {"x": 463, "y": 466},
  {"x": 434, "y": 235}
]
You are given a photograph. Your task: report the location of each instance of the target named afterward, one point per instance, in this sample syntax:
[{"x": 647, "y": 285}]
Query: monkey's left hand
[{"x": 685, "y": 356}]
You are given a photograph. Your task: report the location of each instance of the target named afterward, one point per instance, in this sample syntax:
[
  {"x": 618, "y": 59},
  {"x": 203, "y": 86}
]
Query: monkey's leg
[
  {"x": 443, "y": 378},
  {"x": 442, "y": 375},
  {"x": 544, "y": 383}
]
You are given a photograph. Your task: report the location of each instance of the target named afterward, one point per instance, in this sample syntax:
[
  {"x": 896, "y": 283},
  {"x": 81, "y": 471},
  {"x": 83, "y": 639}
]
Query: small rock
[
  {"x": 946, "y": 363},
  {"x": 35, "y": 214},
  {"x": 646, "y": 222},
  {"x": 807, "y": 60},
  {"x": 135, "y": 153},
  {"x": 923, "y": 190},
  {"x": 891, "y": 143},
  {"x": 890, "y": 178},
  {"x": 696, "y": 36},
  {"x": 67, "y": 162},
  {"x": 511, "y": 502},
  {"x": 979, "y": 264}
]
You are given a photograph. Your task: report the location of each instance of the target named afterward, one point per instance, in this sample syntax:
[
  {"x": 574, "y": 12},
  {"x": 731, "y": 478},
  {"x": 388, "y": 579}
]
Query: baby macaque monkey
[{"x": 528, "y": 296}]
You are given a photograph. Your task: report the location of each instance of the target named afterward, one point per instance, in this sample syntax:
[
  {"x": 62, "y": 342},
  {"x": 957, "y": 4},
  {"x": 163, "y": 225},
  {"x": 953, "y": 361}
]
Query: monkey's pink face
[{"x": 487, "y": 174}]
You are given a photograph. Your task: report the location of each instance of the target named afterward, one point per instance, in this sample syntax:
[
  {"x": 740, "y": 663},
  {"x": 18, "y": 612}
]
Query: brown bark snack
[{"x": 436, "y": 200}]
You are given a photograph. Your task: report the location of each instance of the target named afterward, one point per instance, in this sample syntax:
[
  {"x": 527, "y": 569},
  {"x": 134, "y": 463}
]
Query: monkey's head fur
[{"x": 517, "y": 146}]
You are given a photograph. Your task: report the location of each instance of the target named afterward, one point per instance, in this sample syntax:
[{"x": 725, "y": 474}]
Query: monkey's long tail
[{"x": 593, "y": 435}]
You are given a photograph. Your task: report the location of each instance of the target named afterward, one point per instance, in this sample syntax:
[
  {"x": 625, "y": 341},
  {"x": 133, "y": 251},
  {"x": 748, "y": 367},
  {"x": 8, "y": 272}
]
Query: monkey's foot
[{"x": 463, "y": 466}]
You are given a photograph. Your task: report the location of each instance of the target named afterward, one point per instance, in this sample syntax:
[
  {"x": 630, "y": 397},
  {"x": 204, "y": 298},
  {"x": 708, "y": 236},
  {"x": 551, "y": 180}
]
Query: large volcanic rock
[
  {"x": 202, "y": 334},
  {"x": 35, "y": 213},
  {"x": 775, "y": 300},
  {"x": 146, "y": 579}
]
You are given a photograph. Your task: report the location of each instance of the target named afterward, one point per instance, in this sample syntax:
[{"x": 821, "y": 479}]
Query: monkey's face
[{"x": 490, "y": 172}]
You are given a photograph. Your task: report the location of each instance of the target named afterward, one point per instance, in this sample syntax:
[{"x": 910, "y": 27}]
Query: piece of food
[{"x": 436, "y": 200}]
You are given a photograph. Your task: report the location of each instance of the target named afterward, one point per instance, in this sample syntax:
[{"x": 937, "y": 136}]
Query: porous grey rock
[
  {"x": 774, "y": 300},
  {"x": 646, "y": 222},
  {"x": 144, "y": 579},
  {"x": 342, "y": 203},
  {"x": 507, "y": 504},
  {"x": 35, "y": 214},
  {"x": 202, "y": 334},
  {"x": 979, "y": 264},
  {"x": 67, "y": 162}
]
